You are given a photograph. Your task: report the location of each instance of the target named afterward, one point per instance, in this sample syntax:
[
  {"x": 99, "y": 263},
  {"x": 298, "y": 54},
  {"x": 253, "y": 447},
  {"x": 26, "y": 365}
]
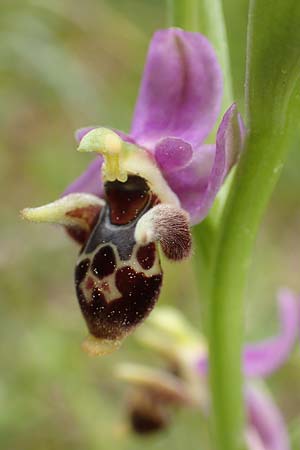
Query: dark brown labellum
[{"x": 117, "y": 280}]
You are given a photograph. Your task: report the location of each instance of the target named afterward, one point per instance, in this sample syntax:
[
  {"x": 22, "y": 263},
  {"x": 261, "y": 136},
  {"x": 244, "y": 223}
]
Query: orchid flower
[
  {"x": 184, "y": 381},
  {"x": 148, "y": 187}
]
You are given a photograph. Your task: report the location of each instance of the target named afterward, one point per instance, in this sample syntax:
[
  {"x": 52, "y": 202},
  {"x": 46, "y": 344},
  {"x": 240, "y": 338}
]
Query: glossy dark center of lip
[{"x": 126, "y": 200}]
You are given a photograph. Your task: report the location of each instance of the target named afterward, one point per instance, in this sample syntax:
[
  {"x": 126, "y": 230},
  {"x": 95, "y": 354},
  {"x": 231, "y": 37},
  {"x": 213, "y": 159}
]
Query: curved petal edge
[
  {"x": 263, "y": 358},
  {"x": 181, "y": 89},
  {"x": 266, "y": 429}
]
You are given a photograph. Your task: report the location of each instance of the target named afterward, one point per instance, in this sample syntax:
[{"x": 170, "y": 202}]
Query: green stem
[
  {"x": 183, "y": 14},
  {"x": 212, "y": 24},
  {"x": 246, "y": 203},
  {"x": 272, "y": 69}
]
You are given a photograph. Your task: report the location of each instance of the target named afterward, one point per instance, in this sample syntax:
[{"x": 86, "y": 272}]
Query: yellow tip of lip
[
  {"x": 25, "y": 213},
  {"x": 38, "y": 214},
  {"x": 99, "y": 347}
]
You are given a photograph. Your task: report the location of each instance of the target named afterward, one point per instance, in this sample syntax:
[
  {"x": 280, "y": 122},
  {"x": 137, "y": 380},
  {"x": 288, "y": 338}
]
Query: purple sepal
[
  {"x": 265, "y": 357},
  {"x": 266, "y": 429},
  {"x": 181, "y": 89}
]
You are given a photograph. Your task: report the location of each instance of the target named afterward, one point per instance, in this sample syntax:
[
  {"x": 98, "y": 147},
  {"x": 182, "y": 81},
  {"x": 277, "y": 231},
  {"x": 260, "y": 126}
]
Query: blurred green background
[{"x": 63, "y": 65}]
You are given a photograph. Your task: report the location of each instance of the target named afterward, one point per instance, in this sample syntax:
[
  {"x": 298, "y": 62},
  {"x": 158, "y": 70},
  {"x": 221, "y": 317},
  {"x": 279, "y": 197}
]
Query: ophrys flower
[{"x": 147, "y": 188}]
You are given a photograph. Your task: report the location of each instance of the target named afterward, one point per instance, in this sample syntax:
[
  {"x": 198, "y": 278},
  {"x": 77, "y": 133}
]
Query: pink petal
[
  {"x": 265, "y": 357},
  {"x": 229, "y": 143},
  {"x": 190, "y": 183},
  {"x": 172, "y": 154},
  {"x": 197, "y": 184},
  {"x": 181, "y": 89},
  {"x": 266, "y": 429}
]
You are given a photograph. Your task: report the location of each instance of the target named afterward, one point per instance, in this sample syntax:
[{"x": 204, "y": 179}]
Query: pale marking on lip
[{"x": 107, "y": 285}]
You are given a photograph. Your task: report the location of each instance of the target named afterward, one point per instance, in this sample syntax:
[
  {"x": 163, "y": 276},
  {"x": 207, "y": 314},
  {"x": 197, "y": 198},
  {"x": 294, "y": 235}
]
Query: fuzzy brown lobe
[{"x": 172, "y": 229}]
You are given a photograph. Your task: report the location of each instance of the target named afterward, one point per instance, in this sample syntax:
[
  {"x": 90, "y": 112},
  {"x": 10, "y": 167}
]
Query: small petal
[
  {"x": 266, "y": 429},
  {"x": 190, "y": 183},
  {"x": 202, "y": 364},
  {"x": 181, "y": 90},
  {"x": 197, "y": 184},
  {"x": 90, "y": 181},
  {"x": 173, "y": 154},
  {"x": 265, "y": 357}
]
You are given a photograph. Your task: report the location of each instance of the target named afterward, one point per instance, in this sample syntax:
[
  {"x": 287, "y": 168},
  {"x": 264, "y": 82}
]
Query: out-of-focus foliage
[{"x": 66, "y": 64}]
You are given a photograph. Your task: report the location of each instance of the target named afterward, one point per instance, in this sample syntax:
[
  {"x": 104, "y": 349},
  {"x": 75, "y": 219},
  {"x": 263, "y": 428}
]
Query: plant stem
[
  {"x": 248, "y": 197},
  {"x": 212, "y": 24},
  {"x": 273, "y": 66},
  {"x": 183, "y": 14}
]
